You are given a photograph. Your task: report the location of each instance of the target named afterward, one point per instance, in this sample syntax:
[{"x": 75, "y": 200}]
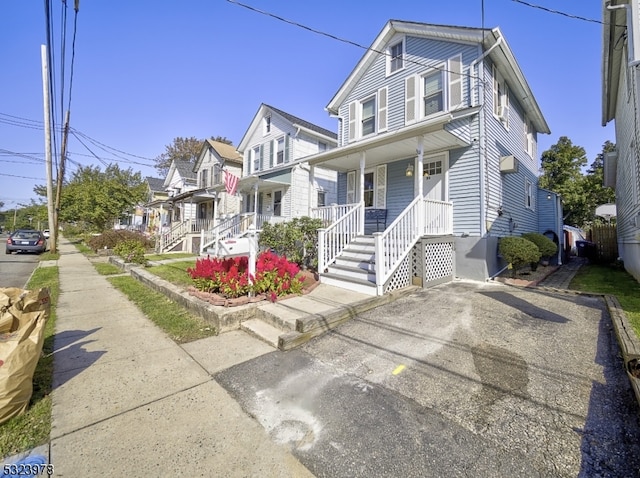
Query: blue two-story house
[{"x": 436, "y": 160}]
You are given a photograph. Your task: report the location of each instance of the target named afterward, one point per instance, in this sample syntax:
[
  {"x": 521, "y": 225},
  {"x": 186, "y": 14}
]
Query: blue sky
[{"x": 149, "y": 71}]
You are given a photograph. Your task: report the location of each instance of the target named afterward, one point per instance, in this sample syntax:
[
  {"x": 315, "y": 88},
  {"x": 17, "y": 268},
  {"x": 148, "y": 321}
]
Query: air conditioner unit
[{"x": 508, "y": 164}]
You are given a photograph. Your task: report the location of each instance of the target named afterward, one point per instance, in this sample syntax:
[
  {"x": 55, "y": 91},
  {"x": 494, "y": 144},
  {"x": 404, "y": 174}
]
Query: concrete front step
[
  {"x": 261, "y": 330},
  {"x": 352, "y": 284}
]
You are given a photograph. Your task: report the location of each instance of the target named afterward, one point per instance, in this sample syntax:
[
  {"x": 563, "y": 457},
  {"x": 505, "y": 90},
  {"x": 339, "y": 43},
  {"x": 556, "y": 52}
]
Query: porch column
[
  {"x": 312, "y": 173},
  {"x": 420, "y": 167},
  {"x": 363, "y": 157},
  {"x": 255, "y": 205},
  {"x": 215, "y": 210}
]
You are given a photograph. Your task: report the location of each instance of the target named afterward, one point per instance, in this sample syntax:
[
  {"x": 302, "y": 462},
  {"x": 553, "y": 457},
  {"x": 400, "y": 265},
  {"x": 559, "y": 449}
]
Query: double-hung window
[
  {"x": 396, "y": 57},
  {"x": 255, "y": 152},
  {"x": 280, "y": 151},
  {"x": 369, "y": 116},
  {"x": 217, "y": 173},
  {"x": 203, "y": 178},
  {"x": 433, "y": 92},
  {"x": 500, "y": 98},
  {"x": 528, "y": 137}
]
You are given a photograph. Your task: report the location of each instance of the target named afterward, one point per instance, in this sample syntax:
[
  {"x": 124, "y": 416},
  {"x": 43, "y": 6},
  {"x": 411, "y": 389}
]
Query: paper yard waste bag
[{"x": 23, "y": 315}]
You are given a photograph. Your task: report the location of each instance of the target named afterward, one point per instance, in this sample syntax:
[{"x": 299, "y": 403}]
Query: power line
[
  {"x": 564, "y": 14},
  {"x": 343, "y": 40},
  {"x": 21, "y": 177}
]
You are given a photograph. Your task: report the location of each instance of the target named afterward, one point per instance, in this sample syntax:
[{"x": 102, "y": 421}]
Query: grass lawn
[
  {"x": 107, "y": 269},
  {"x": 162, "y": 257},
  {"x": 176, "y": 272},
  {"x": 49, "y": 256},
  {"x": 32, "y": 428},
  {"x": 602, "y": 279},
  {"x": 177, "y": 322}
]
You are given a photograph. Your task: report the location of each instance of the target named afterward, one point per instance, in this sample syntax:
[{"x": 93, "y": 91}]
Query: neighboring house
[
  {"x": 155, "y": 208},
  {"x": 276, "y": 183},
  {"x": 437, "y": 137},
  {"x": 621, "y": 81},
  {"x": 180, "y": 180},
  {"x": 205, "y": 200}
]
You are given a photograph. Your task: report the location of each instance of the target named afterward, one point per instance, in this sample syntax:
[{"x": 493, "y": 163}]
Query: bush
[
  {"x": 110, "y": 238},
  {"x": 518, "y": 251},
  {"x": 546, "y": 246},
  {"x": 131, "y": 250},
  {"x": 296, "y": 239}
]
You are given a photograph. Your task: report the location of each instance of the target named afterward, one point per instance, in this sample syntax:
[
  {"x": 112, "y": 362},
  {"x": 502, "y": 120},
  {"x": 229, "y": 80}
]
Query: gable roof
[
  {"x": 264, "y": 109},
  {"x": 226, "y": 151},
  {"x": 185, "y": 169},
  {"x": 501, "y": 55},
  {"x": 155, "y": 184}
]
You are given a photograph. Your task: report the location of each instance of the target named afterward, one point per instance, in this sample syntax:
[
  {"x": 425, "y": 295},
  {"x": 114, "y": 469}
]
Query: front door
[{"x": 434, "y": 177}]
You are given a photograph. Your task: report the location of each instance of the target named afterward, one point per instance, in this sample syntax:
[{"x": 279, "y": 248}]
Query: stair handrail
[
  {"x": 177, "y": 232},
  {"x": 225, "y": 228},
  {"x": 335, "y": 237}
]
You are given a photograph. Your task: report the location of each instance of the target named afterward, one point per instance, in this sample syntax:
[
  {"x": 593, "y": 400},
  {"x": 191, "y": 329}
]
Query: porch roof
[
  {"x": 278, "y": 177},
  {"x": 197, "y": 195},
  {"x": 399, "y": 144}
]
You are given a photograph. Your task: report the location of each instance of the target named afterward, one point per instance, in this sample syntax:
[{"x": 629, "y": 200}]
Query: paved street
[{"x": 465, "y": 379}]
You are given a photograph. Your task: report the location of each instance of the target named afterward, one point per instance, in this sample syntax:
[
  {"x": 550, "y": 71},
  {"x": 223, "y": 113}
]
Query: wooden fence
[{"x": 606, "y": 242}]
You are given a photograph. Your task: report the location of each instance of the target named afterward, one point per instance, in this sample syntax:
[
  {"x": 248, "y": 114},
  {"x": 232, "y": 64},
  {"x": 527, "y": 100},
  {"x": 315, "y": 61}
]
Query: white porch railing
[
  {"x": 234, "y": 226},
  {"x": 422, "y": 217},
  {"x": 333, "y": 239},
  {"x": 330, "y": 214},
  {"x": 171, "y": 237}
]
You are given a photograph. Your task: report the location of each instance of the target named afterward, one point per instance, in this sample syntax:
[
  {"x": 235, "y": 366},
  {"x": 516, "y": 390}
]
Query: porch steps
[{"x": 354, "y": 269}]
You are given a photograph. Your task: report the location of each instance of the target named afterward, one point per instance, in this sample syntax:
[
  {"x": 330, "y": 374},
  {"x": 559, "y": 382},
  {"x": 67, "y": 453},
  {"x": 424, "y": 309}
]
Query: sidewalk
[
  {"x": 561, "y": 278},
  {"x": 128, "y": 401}
]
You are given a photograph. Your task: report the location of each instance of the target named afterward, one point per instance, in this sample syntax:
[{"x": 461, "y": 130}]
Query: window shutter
[
  {"x": 455, "y": 82},
  {"x": 410, "y": 99},
  {"x": 381, "y": 186},
  {"x": 353, "y": 120},
  {"x": 506, "y": 105},
  {"x": 496, "y": 92},
  {"x": 351, "y": 187},
  {"x": 286, "y": 147},
  {"x": 272, "y": 147},
  {"x": 382, "y": 109},
  {"x": 261, "y": 157}
]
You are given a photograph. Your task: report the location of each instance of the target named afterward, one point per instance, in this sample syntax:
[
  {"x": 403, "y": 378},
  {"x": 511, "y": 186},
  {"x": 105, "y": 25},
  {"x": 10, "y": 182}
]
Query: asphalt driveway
[{"x": 464, "y": 379}]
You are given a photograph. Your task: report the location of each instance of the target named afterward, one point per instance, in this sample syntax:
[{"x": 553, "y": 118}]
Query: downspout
[{"x": 482, "y": 139}]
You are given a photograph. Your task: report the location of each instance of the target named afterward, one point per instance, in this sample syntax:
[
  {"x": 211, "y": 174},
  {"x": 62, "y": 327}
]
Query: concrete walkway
[
  {"x": 128, "y": 401},
  {"x": 561, "y": 278}
]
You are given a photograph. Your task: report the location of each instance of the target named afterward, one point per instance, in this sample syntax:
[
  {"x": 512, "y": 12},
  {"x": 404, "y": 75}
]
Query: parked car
[
  {"x": 46, "y": 233},
  {"x": 26, "y": 240}
]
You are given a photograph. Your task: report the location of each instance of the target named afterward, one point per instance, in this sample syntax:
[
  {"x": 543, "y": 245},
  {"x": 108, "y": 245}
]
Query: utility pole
[
  {"x": 53, "y": 230},
  {"x": 47, "y": 137}
]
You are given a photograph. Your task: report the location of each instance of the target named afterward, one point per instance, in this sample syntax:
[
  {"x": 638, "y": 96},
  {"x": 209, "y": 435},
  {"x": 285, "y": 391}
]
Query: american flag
[{"x": 230, "y": 182}]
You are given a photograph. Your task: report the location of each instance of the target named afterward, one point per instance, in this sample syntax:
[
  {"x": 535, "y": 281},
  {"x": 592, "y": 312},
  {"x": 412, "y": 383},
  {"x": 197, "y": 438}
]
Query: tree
[
  {"x": 562, "y": 173},
  {"x": 185, "y": 149},
  {"x": 594, "y": 180},
  {"x": 97, "y": 198}
]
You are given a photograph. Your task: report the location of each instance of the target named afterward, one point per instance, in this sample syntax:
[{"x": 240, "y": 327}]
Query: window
[
  {"x": 277, "y": 203},
  {"x": 267, "y": 125},
  {"x": 322, "y": 198},
  {"x": 322, "y": 146},
  {"x": 500, "y": 98},
  {"x": 203, "y": 178},
  {"x": 433, "y": 93},
  {"x": 256, "y": 158},
  {"x": 280, "y": 151},
  {"x": 369, "y": 189},
  {"x": 528, "y": 193},
  {"x": 434, "y": 167},
  {"x": 396, "y": 57},
  {"x": 528, "y": 137},
  {"x": 369, "y": 116},
  {"x": 217, "y": 174}
]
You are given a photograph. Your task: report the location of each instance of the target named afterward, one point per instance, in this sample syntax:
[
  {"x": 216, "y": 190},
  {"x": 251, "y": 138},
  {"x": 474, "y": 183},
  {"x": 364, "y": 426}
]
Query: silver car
[{"x": 26, "y": 241}]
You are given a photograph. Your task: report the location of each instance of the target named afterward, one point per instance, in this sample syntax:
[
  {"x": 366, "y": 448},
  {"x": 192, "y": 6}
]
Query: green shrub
[
  {"x": 131, "y": 250},
  {"x": 546, "y": 246},
  {"x": 110, "y": 238},
  {"x": 518, "y": 251},
  {"x": 297, "y": 240}
]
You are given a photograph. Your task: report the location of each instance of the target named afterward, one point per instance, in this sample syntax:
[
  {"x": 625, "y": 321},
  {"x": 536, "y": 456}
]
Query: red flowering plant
[{"x": 275, "y": 276}]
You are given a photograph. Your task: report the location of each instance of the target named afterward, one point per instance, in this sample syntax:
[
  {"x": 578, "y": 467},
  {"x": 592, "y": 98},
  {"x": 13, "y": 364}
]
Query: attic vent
[
  {"x": 508, "y": 164},
  {"x": 610, "y": 166}
]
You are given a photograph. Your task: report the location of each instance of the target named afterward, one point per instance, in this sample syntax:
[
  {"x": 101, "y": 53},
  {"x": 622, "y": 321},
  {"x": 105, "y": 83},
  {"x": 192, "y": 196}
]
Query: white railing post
[
  {"x": 202, "y": 241},
  {"x": 253, "y": 252},
  {"x": 321, "y": 246},
  {"x": 380, "y": 261}
]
